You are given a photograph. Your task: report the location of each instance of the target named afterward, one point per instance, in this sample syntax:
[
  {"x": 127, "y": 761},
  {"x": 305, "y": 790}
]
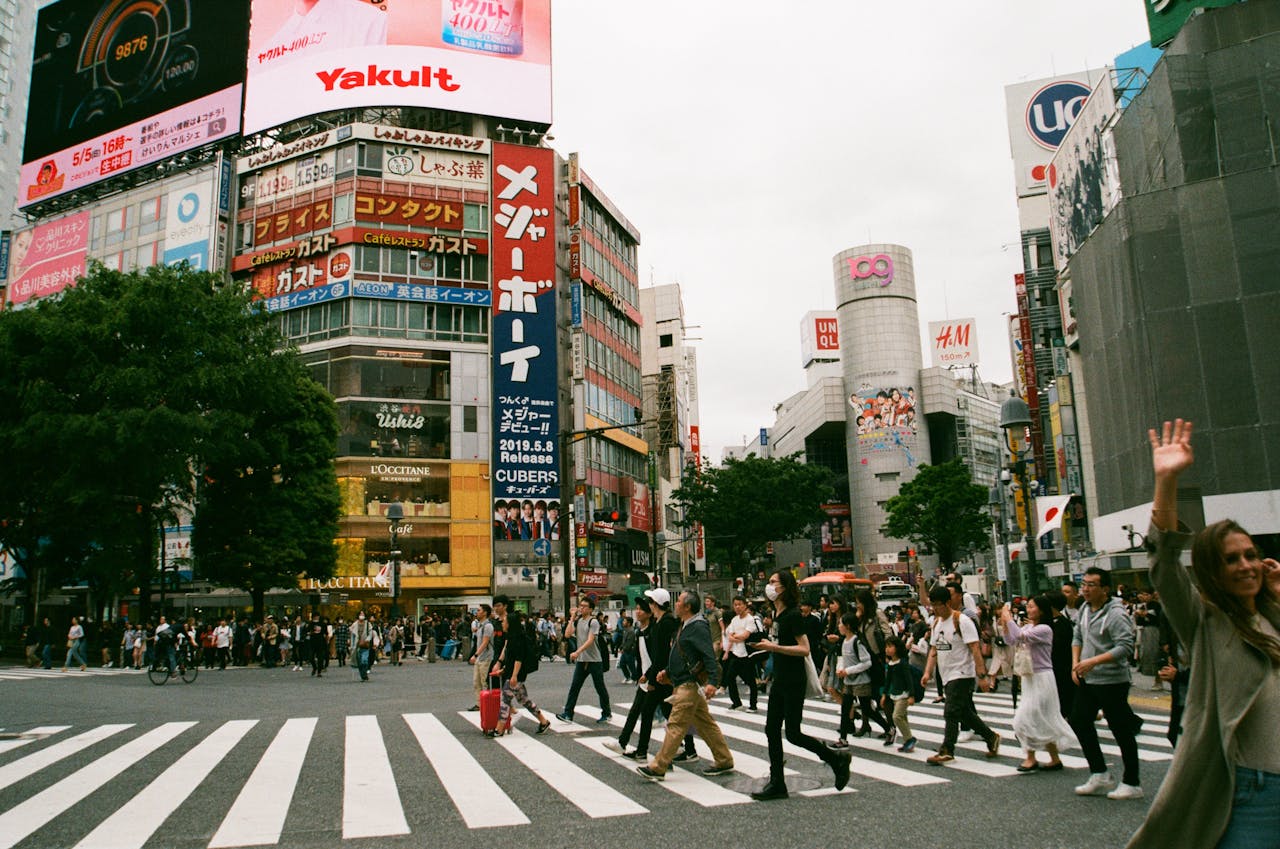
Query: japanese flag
[
  {"x": 383, "y": 578},
  {"x": 1016, "y": 551},
  {"x": 1050, "y": 509}
]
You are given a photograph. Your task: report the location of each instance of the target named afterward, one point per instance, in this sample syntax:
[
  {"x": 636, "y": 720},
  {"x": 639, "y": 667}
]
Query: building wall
[
  {"x": 17, "y": 39},
  {"x": 880, "y": 345},
  {"x": 1177, "y": 292}
]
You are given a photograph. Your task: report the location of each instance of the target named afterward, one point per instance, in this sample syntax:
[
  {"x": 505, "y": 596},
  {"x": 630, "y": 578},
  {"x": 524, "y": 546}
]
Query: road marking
[
  {"x": 478, "y": 798},
  {"x": 138, "y": 819},
  {"x": 258, "y": 814},
  {"x": 36, "y": 761},
  {"x": 690, "y": 785},
  {"x": 25, "y": 818},
  {"x": 586, "y": 792},
  {"x": 370, "y": 801},
  {"x": 31, "y": 736}
]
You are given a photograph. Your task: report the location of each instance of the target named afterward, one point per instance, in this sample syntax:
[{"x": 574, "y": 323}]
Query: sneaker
[
  {"x": 564, "y": 717},
  {"x": 1098, "y": 784},
  {"x": 1126, "y": 791},
  {"x": 966, "y": 737},
  {"x": 636, "y": 755},
  {"x": 754, "y": 709},
  {"x": 993, "y": 746},
  {"x": 615, "y": 746},
  {"x": 714, "y": 770},
  {"x": 473, "y": 708},
  {"x": 685, "y": 758},
  {"x": 735, "y": 707},
  {"x": 650, "y": 774},
  {"x": 940, "y": 759},
  {"x": 606, "y": 718},
  {"x": 909, "y": 746}
]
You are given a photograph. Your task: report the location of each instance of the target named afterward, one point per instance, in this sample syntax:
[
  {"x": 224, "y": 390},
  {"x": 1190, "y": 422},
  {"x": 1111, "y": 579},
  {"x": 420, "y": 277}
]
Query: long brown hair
[{"x": 1208, "y": 563}]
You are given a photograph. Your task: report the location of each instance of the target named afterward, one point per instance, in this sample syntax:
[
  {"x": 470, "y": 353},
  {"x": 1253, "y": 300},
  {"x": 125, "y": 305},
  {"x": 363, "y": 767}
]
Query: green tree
[
  {"x": 745, "y": 504},
  {"x": 942, "y": 511},
  {"x": 111, "y": 396}
]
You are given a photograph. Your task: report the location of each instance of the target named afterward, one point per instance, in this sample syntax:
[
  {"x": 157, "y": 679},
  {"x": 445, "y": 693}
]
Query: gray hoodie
[{"x": 1107, "y": 629}]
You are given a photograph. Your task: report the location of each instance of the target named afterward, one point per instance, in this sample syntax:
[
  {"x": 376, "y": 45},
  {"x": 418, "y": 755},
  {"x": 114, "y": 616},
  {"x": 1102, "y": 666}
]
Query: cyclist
[{"x": 167, "y": 638}]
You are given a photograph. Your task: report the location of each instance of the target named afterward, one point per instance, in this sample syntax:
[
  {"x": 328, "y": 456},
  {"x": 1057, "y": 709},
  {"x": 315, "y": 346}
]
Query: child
[
  {"x": 899, "y": 687},
  {"x": 853, "y": 671}
]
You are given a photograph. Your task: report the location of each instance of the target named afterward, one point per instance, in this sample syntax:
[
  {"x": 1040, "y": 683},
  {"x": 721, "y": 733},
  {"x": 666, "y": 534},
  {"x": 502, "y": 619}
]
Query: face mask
[{"x": 771, "y": 592}]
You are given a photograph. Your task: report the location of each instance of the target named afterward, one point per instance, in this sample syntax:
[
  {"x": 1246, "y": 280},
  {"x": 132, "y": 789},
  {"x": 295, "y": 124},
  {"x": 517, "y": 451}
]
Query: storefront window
[{"x": 385, "y": 429}]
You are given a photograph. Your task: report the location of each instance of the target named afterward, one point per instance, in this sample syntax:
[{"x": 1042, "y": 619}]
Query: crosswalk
[
  {"x": 370, "y": 772},
  {"x": 39, "y": 673}
]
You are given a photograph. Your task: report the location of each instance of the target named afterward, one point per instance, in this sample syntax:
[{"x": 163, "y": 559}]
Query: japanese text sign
[
  {"x": 47, "y": 258},
  {"x": 523, "y": 259}
]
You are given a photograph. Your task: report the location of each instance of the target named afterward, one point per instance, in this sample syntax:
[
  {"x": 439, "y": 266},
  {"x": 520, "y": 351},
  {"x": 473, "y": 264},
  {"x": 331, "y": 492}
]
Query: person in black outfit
[
  {"x": 1063, "y": 629},
  {"x": 318, "y": 643},
  {"x": 787, "y": 694}
]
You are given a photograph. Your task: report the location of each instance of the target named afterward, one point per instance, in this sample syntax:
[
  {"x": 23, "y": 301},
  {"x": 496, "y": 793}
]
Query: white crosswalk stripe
[
  {"x": 271, "y": 767},
  {"x": 39, "y": 673}
]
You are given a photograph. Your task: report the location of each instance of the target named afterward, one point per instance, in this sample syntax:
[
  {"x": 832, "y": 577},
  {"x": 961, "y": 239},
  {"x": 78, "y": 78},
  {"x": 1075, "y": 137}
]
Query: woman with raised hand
[{"x": 1223, "y": 787}]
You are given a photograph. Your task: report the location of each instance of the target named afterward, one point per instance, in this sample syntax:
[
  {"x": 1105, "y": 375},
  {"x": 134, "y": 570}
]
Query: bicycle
[{"x": 187, "y": 666}]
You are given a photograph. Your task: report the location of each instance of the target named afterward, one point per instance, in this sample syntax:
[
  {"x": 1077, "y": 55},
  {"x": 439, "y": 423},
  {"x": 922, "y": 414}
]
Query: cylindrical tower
[{"x": 880, "y": 362}]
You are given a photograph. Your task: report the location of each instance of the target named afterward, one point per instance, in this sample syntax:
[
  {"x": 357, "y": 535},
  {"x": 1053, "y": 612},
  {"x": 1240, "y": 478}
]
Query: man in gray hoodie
[{"x": 1101, "y": 651}]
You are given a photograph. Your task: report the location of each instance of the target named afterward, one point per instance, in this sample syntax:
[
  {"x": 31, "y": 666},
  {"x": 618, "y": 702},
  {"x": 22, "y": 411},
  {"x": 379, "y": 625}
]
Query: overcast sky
[{"x": 752, "y": 141}]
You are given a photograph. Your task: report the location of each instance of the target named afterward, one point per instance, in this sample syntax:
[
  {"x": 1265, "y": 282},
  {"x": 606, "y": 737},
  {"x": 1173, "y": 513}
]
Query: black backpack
[{"x": 532, "y": 655}]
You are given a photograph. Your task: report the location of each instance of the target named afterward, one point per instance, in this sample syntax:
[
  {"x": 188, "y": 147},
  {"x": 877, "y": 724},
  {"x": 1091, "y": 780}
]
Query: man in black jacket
[
  {"x": 692, "y": 660},
  {"x": 1061, "y": 652}
]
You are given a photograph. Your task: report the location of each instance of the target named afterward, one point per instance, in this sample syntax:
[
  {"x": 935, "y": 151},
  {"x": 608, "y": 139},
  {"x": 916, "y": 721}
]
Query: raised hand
[{"x": 1171, "y": 448}]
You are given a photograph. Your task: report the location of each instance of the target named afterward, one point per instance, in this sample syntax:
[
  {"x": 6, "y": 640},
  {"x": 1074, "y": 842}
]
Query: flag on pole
[{"x": 1049, "y": 510}]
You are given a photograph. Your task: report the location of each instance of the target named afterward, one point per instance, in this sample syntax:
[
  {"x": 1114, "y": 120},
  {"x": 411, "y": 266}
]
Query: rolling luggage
[{"x": 489, "y": 702}]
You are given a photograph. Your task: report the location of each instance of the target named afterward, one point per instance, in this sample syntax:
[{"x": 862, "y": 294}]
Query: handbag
[
  {"x": 812, "y": 685},
  {"x": 1022, "y": 660}
]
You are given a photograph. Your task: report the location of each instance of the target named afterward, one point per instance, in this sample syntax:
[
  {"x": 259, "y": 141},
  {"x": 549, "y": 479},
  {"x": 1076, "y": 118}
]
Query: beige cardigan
[{"x": 1193, "y": 806}]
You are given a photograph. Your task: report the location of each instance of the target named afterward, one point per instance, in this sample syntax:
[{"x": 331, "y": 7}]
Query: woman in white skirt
[{"x": 1037, "y": 722}]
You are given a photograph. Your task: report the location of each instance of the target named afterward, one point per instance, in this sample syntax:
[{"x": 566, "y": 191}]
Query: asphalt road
[{"x": 276, "y": 757}]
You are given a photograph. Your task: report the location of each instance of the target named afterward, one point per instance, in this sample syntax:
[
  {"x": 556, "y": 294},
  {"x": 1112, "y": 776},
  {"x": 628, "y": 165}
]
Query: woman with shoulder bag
[{"x": 1037, "y": 722}]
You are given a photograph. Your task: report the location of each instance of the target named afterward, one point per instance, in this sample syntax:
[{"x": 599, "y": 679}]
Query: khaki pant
[
  {"x": 900, "y": 718},
  {"x": 688, "y": 707},
  {"x": 479, "y": 678}
]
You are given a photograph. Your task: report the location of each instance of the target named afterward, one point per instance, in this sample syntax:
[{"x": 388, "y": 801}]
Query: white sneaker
[
  {"x": 614, "y": 746},
  {"x": 1126, "y": 791},
  {"x": 965, "y": 737},
  {"x": 1098, "y": 784}
]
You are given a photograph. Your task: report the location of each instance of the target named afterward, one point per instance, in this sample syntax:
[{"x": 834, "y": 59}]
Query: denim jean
[
  {"x": 362, "y": 662},
  {"x": 1255, "y": 811}
]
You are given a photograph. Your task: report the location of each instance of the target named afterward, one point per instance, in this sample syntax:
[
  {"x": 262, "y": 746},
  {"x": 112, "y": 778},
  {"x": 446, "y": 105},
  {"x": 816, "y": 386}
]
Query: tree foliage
[
  {"x": 744, "y": 504},
  {"x": 112, "y": 396},
  {"x": 942, "y": 511}
]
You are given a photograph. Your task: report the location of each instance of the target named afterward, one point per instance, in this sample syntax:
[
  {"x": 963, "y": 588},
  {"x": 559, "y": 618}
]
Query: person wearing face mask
[
  {"x": 361, "y": 645},
  {"x": 789, "y": 647}
]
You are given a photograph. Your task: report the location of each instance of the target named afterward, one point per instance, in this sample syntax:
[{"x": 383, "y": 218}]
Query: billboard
[
  {"x": 1039, "y": 114},
  {"x": 837, "y": 529},
  {"x": 955, "y": 343},
  {"x": 526, "y": 419},
  {"x": 47, "y": 258},
  {"x": 819, "y": 337},
  {"x": 885, "y": 420},
  {"x": 116, "y": 85},
  {"x": 1166, "y": 17},
  {"x": 489, "y": 57},
  {"x": 1084, "y": 175},
  {"x": 189, "y": 225}
]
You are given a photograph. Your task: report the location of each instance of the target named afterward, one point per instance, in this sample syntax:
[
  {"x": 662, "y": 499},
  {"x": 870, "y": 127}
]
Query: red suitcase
[{"x": 489, "y": 702}]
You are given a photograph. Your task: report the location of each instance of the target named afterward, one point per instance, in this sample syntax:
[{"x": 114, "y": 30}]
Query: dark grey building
[{"x": 1177, "y": 292}]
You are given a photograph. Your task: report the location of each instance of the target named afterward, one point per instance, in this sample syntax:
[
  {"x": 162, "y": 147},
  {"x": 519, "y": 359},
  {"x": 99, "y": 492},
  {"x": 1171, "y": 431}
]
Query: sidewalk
[{"x": 1140, "y": 693}]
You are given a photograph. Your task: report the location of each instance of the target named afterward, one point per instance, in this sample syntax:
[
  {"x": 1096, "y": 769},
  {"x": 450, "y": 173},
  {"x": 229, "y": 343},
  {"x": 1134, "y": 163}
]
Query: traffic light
[
  {"x": 610, "y": 516},
  {"x": 542, "y": 580}
]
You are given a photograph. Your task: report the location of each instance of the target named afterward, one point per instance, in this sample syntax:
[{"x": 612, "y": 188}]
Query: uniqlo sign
[
  {"x": 526, "y": 455},
  {"x": 826, "y": 332}
]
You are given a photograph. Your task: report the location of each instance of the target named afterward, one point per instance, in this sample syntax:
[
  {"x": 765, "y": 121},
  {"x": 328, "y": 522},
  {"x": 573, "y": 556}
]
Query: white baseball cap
[{"x": 659, "y": 596}]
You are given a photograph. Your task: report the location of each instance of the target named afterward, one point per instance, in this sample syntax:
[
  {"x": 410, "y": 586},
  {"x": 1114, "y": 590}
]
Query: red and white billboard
[
  {"x": 117, "y": 85},
  {"x": 955, "y": 342},
  {"x": 47, "y": 258},
  {"x": 640, "y": 518},
  {"x": 489, "y": 57}
]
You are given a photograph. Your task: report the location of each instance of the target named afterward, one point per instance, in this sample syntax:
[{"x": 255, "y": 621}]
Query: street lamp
[
  {"x": 996, "y": 505},
  {"x": 1015, "y": 418},
  {"x": 395, "y": 513}
]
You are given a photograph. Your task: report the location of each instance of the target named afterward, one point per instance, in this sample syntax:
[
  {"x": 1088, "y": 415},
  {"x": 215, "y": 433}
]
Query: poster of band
[
  {"x": 526, "y": 518},
  {"x": 885, "y": 420},
  {"x": 1084, "y": 175},
  {"x": 526, "y": 420}
]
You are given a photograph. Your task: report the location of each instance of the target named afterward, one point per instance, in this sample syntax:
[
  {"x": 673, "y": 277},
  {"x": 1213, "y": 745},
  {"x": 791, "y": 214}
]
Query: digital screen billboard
[
  {"x": 489, "y": 57},
  {"x": 117, "y": 84}
]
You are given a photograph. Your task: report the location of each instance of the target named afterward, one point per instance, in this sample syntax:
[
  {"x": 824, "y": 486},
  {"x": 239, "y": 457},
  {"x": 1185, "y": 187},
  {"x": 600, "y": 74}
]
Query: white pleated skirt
[{"x": 1038, "y": 722}]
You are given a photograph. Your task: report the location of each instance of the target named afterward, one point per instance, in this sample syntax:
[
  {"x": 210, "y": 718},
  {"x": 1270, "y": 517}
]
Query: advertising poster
[
  {"x": 955, "y": 343},
  {"x": 1039, "y": 114},
  {"x": 47, "y": 258},
  {"x": 117, "y": 85},
  {"x": 885, "y": 420},
  {"x": 837, "y": 530},
  {"x": 1084, "y": 175},
  {"x": 526, "y": 420},
  {"x": 490, "y": 57},
  {"x": 189, "y": 226},
  {"x": 526, "y": 518},
  {"x": 639, "y": 515}
]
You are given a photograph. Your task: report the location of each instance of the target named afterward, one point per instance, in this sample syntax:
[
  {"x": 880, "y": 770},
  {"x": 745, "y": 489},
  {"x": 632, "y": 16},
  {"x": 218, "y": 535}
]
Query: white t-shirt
[
  {"x": 955, "y": 658},
  {"x": 222, "y": 636},
  {"x": 738, "y": 626}
]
